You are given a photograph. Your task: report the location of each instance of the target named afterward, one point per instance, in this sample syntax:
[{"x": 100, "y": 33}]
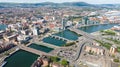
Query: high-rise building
[{"x": 63, "y": 24}]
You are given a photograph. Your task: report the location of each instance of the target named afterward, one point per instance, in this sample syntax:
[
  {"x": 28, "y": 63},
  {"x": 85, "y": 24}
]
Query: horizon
[{"x": 62, "y": 1}]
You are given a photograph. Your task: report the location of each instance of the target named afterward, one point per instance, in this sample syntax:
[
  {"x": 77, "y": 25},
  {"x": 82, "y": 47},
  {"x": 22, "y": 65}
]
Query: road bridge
[
  {"x": 34, "y": 51},
  {"x": 87, "y": 35},
  {"x": 60, "y": 38},
  {"x": 47, "y": 44}
]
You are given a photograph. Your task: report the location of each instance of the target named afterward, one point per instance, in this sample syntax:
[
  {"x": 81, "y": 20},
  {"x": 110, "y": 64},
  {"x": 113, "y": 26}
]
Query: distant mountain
[
  {"x": 110, "y": 5},
  {"x": 51, "y": 4},
  {"x": 76, "y": 4},
  {"x": 25, "y": 5}
]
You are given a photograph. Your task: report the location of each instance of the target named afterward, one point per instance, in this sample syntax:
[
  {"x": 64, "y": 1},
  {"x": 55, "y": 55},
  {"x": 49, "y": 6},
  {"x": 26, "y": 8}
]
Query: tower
[{"x": 63, "y": 24}]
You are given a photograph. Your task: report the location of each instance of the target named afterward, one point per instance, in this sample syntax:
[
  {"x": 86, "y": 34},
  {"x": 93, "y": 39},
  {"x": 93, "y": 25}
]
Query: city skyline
[{"x": 60, "y": 1}]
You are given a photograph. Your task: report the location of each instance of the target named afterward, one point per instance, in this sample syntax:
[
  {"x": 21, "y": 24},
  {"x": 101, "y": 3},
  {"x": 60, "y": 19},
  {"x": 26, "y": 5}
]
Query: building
[
  {"x": 94, "y": 49},
  {"x": 113, "y": 49},
  {"x": 1, "y": 34},
  {"x": 41, "y": 62},
  {"x": 55, "y": 65},
  {"x": 116, "y": 28},
  {"x": 37, "y": 63},
  {"x": 35, "y": 31},
  {"x": 10, "y": 38},
  {"x": 63, "y": 24},
  {"x": 84, "y": 20}
]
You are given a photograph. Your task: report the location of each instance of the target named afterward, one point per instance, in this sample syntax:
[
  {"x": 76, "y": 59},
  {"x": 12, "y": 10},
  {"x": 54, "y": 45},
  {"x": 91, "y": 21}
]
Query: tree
[
  {"x": 64, "y": 62},
  {"x": 116, "y": 60},
  {"x": 54, "y": 59}
]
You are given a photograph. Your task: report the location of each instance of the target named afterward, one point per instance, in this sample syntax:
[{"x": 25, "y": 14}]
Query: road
[
  {"x": 87, "y": 35},
  {"x": 91, "y": 37}
]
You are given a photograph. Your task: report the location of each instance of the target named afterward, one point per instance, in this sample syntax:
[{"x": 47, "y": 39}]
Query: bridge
[
  {"x": 47, "y": 44},
  {"x": 34, "y": 51},
  {"x": 60, "y": 38},
  {"x": 87, "y": 35}
]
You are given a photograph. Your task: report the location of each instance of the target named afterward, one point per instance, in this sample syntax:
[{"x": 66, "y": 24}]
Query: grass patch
[
  {"x": 116, "y": 60},
  {"x": 108, "y": 32},
  {"x": 107, "y": 45},
  {"x": 114, "y": 40},
  {"x": 104, "y": 44},
  {"x": 54, "y": 58},
  {"x": 118, "y": 49}
]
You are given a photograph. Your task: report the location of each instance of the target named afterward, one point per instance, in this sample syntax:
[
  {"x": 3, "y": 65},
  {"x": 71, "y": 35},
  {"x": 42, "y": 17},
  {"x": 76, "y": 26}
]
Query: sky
[{"x": 60, "y": 1}]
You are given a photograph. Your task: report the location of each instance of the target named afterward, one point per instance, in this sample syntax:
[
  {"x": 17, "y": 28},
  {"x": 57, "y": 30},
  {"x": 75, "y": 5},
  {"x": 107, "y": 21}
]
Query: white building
[
  {"x": 21, "y": 37},
  {"x": 35, "y": 31}
]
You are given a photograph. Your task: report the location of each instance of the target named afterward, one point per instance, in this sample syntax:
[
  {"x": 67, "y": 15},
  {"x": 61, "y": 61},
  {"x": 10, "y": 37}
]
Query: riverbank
[{"x": 14, "y": 50}]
